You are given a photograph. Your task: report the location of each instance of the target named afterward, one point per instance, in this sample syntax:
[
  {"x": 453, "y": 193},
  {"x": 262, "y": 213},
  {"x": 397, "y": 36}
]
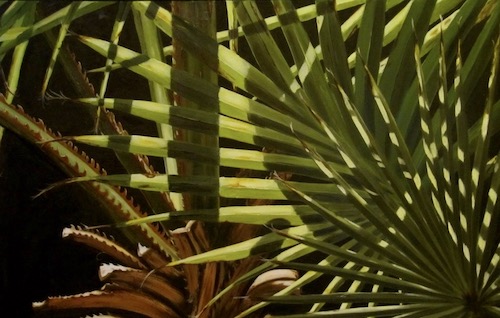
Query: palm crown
[{"x": 375, "y": 155}]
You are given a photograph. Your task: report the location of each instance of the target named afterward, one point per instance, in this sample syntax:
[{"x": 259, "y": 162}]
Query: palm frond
[{"x": 363, "y": 145}]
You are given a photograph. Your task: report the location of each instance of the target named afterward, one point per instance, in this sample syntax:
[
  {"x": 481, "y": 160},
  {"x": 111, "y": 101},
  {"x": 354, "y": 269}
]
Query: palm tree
[{"x": 375, "y": 145}]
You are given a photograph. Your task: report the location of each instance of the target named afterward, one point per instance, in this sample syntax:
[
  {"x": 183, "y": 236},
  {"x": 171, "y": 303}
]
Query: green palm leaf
[
  {"x": 391, "y": 165},
  {"x": 403, "y": 214}
]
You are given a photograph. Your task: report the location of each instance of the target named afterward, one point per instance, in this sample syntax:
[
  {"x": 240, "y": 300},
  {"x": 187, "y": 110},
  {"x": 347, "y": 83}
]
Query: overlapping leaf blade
[
  {"x": 403, "y": 216},
  {"x": 422, "y": 237}
]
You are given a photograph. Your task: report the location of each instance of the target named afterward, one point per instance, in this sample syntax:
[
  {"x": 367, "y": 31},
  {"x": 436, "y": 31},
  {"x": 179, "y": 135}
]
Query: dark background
[{"x": 35, "y": 261}]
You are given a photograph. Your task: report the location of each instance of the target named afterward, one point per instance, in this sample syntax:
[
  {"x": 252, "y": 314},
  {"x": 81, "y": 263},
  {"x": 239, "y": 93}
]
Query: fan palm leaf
[{"x": 386, "y": 175}]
